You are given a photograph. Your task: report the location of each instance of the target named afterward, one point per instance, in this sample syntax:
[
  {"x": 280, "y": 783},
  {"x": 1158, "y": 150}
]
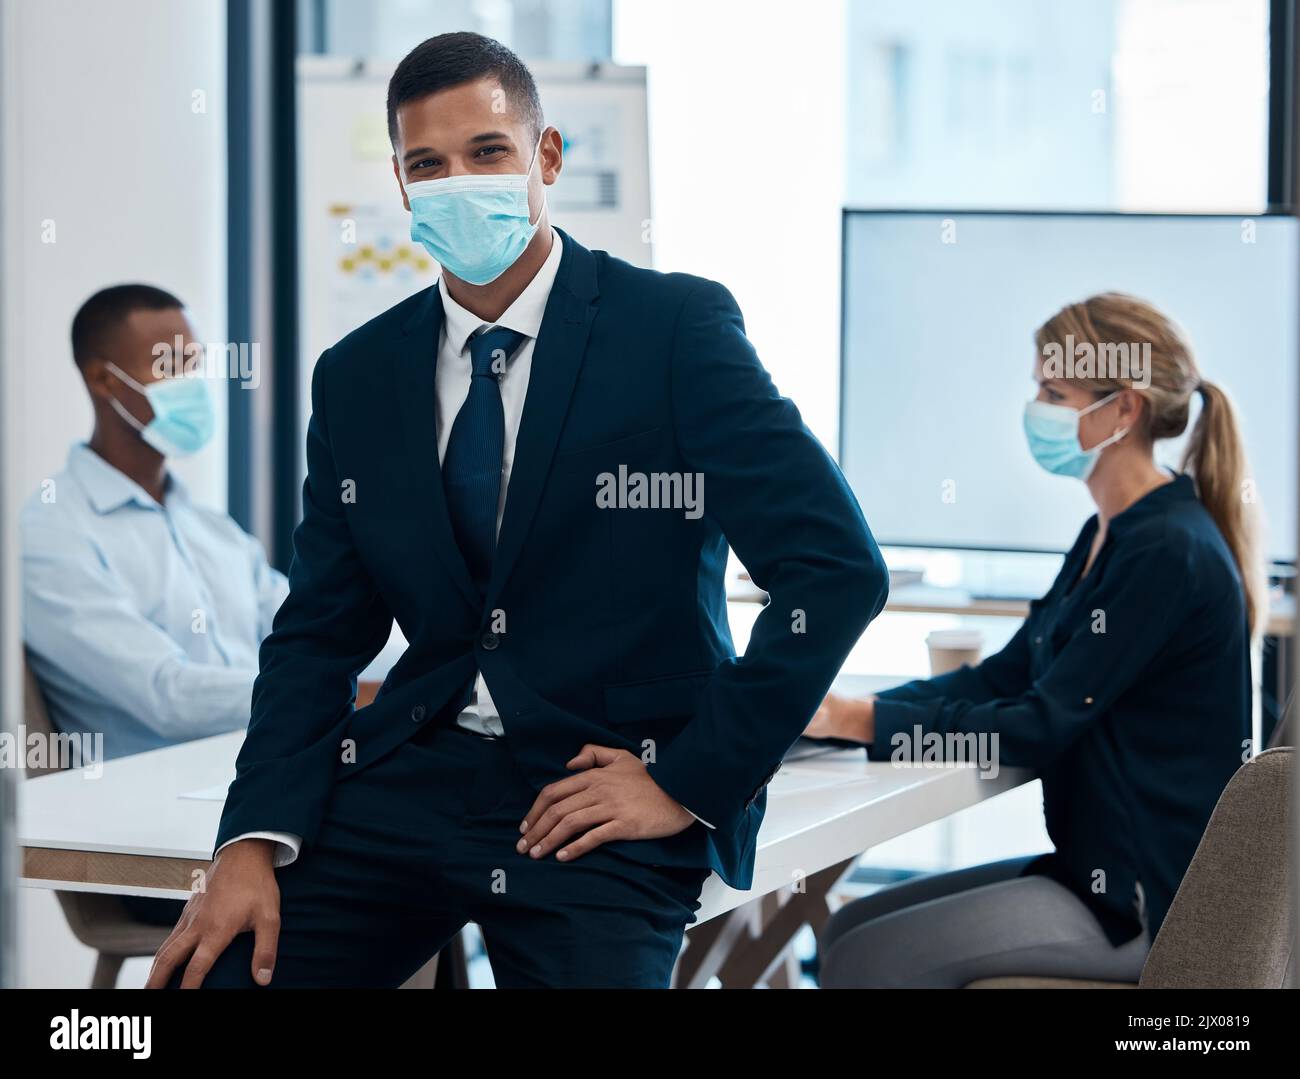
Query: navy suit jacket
[{"x": 615, "y": 619}]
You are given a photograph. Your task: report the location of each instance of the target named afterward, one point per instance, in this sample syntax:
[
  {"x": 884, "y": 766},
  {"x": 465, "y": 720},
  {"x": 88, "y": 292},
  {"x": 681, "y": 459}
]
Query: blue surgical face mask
[
  {"x": 183, "y": 416},
  {"x": 1053, "y": 434},
  {"x": 474, "y": 226}
]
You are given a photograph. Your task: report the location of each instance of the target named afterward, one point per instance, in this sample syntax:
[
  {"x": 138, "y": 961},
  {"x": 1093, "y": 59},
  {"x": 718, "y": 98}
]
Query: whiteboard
[{"x": 355, "y": 255}]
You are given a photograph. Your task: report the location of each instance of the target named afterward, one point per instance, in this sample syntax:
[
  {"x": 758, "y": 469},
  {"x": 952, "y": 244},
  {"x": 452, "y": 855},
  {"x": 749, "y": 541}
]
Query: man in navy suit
[{"x": 535, "y": 467}]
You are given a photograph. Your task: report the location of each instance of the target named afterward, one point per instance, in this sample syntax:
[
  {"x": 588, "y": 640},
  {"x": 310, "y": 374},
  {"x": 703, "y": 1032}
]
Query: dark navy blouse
[{"x": 1127, "y": 690}]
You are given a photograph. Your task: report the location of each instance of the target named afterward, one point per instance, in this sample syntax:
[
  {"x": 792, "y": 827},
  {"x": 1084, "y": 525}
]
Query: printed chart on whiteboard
[{"x": 375, "y": 263}]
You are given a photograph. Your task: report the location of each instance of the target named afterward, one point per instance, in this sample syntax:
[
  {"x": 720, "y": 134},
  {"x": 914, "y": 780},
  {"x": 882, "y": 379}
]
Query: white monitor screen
[{"x": 939, "y": 314}]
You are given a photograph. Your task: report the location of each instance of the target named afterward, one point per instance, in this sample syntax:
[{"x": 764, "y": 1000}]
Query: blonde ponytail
[{"x": 1216, "y": 459}]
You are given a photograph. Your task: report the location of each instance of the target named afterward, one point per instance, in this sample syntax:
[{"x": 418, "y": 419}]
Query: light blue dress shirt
[{"x": 142, "y": 621}]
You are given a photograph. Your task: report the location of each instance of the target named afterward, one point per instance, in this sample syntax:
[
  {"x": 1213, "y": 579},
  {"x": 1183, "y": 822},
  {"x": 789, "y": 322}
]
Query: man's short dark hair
[
  {"x": 455, "y": 59},
  {"x": 103, "y": 314}
]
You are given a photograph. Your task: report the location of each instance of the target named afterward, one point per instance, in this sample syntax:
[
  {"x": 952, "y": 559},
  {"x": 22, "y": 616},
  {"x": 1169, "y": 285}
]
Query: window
[
  {"x": 389, "y": 29},
  {"x": 1078, "y": 104}
]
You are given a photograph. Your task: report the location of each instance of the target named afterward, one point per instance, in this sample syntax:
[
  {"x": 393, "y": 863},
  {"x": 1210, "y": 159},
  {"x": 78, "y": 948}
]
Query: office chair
[{"x": 1230, "y": 925}]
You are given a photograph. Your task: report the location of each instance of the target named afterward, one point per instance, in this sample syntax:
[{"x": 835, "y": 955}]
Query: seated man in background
[{"x": 142, "y": 612}]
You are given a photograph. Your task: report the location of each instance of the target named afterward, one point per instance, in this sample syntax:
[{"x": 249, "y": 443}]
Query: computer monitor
[{"x": 939, "y": 313}]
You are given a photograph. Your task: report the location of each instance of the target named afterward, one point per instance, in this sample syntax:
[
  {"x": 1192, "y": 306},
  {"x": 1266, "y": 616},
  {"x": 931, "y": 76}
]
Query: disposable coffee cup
[{"x": 950, "y": 648}]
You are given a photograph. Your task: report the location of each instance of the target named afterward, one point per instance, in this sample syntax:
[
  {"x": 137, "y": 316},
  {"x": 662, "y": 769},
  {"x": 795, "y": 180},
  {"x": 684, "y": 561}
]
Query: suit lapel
[
  {"x": 557, "y": 358},
  {"x": 415, "y": 362}
]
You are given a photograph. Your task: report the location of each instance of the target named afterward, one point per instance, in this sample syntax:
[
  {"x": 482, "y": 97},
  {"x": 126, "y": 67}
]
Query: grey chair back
[{"x": 1232, "y": 923}]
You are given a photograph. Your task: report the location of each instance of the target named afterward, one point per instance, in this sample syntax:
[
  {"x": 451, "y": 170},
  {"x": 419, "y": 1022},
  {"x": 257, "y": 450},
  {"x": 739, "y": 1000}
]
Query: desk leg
[
  {"x": 454, "y": 972},
  {"x": 448, "y": 969},
  {"x": 785, "y": 974},
  {"x": 751, "y": 945},
  {"x": 424, "y": 978},
  {"x": 708, "y": 946}
]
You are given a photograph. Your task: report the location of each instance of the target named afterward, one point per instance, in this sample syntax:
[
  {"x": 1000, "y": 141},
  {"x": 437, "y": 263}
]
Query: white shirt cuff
[
  {"x": 698, "y": 818},
  {"x": 287, "y": 845}
]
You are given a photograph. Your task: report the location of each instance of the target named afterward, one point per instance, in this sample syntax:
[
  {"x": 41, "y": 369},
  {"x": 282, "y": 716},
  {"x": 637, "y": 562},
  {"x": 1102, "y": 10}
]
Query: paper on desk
[{"x": 216, "y": 793}]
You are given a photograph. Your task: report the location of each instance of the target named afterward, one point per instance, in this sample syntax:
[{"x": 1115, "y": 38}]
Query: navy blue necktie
[{"x": 471, "y": 466}]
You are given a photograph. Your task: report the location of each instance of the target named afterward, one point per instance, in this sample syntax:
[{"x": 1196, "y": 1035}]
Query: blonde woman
[{"x": 1127, "y": 688}]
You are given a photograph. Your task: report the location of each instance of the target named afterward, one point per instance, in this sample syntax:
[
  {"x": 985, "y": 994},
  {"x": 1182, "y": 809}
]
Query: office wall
[
  {"x": 117, "y": 174},
  {"x": 114, "y": 122},
  {"x": 746, "y": 112}
]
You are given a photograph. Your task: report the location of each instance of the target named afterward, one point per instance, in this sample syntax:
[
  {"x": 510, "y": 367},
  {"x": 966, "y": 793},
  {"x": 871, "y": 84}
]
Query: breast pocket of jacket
[
  {"x": 653, "y": 511},
  {"x": 612, "y": 490},
  {"x": 630, "y": 451}
]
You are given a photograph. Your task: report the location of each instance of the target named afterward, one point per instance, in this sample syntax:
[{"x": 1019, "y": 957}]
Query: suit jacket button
[
  {"x": 417, "y": 713},
  {"x": 489, "y": 641}
]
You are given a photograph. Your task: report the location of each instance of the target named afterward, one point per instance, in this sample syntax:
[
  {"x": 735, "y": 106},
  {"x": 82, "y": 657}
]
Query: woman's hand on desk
[{"x": 850, "y": 718}]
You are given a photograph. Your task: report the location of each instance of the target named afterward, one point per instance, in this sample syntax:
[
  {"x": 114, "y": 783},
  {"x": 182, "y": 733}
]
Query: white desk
[
  {"x": 822, "y": 814},
  {"x": 130, "y": 832},
  {"x": 825, "y": 810}
]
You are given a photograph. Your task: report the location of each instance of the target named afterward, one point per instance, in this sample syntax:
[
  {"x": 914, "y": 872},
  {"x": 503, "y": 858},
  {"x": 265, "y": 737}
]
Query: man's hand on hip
[
  {"x": 611, "y": 797},
  {"x": 241, "y": 895}
]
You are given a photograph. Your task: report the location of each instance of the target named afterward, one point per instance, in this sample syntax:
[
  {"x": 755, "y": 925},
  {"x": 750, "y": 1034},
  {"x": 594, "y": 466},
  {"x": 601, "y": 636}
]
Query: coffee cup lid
[{"x": 955, "y": 638}]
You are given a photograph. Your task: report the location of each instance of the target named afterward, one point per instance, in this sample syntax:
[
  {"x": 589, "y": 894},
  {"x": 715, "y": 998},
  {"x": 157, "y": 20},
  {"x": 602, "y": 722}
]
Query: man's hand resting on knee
[{"x": 241, "y": 895}]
